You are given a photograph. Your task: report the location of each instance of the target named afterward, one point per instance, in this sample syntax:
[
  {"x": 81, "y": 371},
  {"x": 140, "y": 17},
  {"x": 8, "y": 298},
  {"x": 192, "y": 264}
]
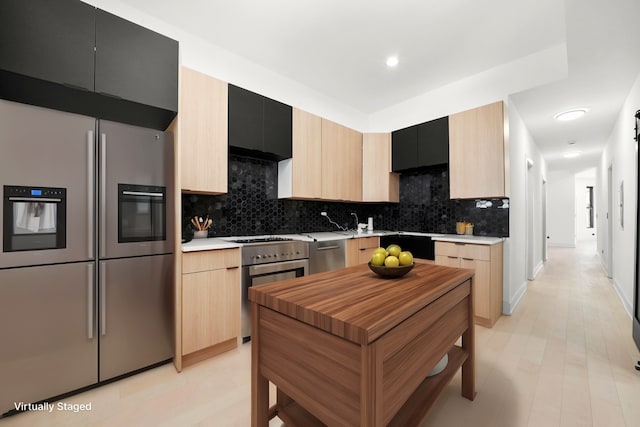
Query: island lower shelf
[
  {"x": 414, "y": 410},
  {"x": 357, "y": 350}
]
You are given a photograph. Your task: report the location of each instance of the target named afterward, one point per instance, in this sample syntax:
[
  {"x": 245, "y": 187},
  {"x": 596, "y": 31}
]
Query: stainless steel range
[{"x": 266, "y": 260}]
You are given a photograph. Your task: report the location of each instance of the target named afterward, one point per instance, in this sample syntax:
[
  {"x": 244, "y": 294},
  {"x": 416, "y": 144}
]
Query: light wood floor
[{"x": 565, "y": 358}]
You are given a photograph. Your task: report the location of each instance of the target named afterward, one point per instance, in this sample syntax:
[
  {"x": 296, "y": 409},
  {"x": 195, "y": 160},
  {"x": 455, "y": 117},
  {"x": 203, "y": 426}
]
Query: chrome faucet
[{"x": 357, "y": 222}]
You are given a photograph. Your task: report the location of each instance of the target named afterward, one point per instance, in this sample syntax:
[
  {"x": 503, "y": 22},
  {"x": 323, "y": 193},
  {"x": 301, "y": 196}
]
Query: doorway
[{"x": 609, "y": 241}]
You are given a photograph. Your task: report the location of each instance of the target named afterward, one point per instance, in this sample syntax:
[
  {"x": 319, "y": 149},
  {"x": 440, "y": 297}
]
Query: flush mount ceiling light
[
  {"x": 392, "y": 61},
  {"x": 571, "y": 114},
  {"x": 572, "y": 154}
]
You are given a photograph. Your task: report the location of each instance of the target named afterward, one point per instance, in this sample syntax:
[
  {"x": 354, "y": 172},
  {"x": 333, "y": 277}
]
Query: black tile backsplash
[{"x": 252, "y": 207}]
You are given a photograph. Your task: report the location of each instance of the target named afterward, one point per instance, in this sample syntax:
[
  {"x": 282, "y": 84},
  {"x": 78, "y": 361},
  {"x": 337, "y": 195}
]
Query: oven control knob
[
  {"x": 275, "y": 255},
  {"x": 258, "y": 256}
]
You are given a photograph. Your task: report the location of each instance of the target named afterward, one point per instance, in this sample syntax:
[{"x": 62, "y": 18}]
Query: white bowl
[{"x": 439, "y": 366}]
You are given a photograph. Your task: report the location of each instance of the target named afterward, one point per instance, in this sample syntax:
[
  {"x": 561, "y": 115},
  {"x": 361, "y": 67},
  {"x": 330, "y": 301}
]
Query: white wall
[
  {"x": 561, "y": 209},
  {"x": 522, "y": 146},
  {"x": 621, "y": 152}
]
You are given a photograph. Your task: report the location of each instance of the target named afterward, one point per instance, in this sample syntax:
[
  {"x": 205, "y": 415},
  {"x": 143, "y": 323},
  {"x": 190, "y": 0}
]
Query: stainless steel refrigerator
[{"x": 86, "y": 267}]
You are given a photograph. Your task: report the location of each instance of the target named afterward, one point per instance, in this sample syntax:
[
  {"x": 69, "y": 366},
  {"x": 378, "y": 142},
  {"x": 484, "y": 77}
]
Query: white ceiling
[{"x": 338, "y": 48}]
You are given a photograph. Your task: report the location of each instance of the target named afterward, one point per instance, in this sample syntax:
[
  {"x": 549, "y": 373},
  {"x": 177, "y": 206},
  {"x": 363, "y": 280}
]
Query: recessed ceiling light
[
  {"x": 572, "y": 154},
  {"x": 392, "y": 61},
  {"x": 571, "y": 114}
]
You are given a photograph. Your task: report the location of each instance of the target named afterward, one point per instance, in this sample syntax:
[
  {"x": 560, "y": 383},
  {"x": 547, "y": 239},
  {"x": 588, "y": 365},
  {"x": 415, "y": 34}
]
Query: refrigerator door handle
[
  {"x": 90, "y": 300},
  {"x": 103, "y": 194},
  {"x": 91, "y": 153},
  {"x": 103, "y": 299}
]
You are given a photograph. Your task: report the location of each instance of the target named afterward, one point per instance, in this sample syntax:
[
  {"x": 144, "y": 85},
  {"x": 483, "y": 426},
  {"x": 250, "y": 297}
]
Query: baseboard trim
[
  {"x": 628, "y": 307},
  {"x": 509, "y": 306}
]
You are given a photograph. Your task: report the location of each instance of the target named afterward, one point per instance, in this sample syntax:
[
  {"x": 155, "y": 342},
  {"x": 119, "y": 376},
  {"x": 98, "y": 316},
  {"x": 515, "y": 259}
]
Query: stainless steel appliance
[
  {"x": 86, "y": 267},
  {"x": 326, "y": 255},
  {"x": 266, "y": 260}
]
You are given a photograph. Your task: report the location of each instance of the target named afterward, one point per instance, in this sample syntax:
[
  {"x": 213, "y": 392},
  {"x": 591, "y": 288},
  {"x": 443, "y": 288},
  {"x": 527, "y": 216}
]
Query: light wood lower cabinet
[
  {"x": 210, "y": 302},
  {"x": 486, "y": 260},
  {"x": 359, "y": 250}
]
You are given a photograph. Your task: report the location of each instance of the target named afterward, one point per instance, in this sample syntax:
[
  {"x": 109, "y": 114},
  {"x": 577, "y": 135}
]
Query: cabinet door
[
  {"x": 245, "y": 119},
  {"x": 277, "y": 128},
  {"x": 477, "y": 153},
  {"x": 482, "y": 286},
  {"x": 48, "y": 40},
  {"x": 433, "y": 142},
  {"x": 202, "y": 132},
  {"x": 379, "y": 184},
  {"x": 404, "y": 153},
  {"x": 211, "y": 308},
  {"x": 341, "y": 162},
  {"x": 135, "y": 63},
  {"x": 306, "y": 164}
]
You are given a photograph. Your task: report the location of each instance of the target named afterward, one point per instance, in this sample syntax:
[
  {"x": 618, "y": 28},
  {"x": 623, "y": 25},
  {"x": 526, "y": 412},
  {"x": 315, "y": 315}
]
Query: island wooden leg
[
  {"x": 259, "y": 384},
  {"x": 371, "y": 386},
  {"x": 468, "y": 344}
]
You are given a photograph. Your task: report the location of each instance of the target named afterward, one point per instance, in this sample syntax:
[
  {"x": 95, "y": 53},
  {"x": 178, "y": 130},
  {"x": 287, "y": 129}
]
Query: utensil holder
[{"x": 200, "y": 234}]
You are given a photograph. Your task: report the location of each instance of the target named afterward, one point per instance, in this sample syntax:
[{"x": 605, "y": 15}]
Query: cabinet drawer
[
  {"x": 368, "y": 242},
  {"x": 464, "y": 250},
  {"x": 475, "y": 252},
  {"x": 193, "y": 262},
  {"x": 446, "y": 249}
]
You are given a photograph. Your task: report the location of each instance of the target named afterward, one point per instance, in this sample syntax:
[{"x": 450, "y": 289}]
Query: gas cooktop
[{"x": 246, "y": 240}]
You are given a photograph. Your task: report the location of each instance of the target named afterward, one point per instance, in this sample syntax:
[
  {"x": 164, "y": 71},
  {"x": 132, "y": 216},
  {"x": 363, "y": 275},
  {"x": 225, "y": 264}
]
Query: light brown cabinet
[
  {"x": 486, "y": 260},
  {"x": 379, "y": 184},
  {"x": 300, "y": 177},
  {"x": 210, "y": 303},
  {"x": 479, "y": 153},
  {"x": 359, "y": 250},
  {"x": 341, "y": 162},
  {"x": 326, "y": 163},
  {"x": 201, "y": 132}
]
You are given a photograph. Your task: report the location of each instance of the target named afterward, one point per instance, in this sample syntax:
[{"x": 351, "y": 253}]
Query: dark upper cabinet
[
  {"x": 404, "y": 149},
  {"x": 135, "y": 63},
  {"x": 426, "y": 144},
  {"x": 70, "y": 56},
  {"x": 278, "y": 128},
  {"x": 48, "y": 40},
  {"x": 259, "y": 126},
  {"x": 245, "y": 119},
  {"x": 433, "y": 142}
]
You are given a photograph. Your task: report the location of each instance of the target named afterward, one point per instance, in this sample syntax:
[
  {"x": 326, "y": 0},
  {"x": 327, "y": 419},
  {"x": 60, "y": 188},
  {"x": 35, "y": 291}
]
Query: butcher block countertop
[
  {"x": 356, "y": 304},
  {"x": 349, "y": 348}
]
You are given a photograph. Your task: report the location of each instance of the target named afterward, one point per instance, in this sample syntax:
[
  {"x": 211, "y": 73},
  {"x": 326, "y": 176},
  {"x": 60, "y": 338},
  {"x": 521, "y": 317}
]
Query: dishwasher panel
[{"x": 326, "y": 256}]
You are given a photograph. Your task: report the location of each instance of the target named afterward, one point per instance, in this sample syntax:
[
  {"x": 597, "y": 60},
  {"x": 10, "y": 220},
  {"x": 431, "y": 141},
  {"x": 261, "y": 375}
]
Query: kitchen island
[{"x": 348, "y": 348}]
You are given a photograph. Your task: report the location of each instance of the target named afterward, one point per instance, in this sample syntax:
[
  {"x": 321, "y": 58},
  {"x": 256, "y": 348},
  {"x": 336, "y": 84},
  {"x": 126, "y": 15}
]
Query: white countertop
[
  {"x": 214, "y": 243},
  {"x": 463, "y": 238},
  {"x": 209, "y": 244}
]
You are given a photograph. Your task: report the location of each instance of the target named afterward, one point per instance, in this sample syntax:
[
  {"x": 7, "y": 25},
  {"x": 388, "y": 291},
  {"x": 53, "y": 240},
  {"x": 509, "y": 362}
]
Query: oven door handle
[
  {"x": 34, "y": 199},
  {"x": 142, "y": 193},
  {"x": 276, "y": 267}
]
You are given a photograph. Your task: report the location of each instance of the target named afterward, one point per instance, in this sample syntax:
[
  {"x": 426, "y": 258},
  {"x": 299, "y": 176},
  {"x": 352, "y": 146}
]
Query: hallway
[{"x": 564, "y": 358}]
